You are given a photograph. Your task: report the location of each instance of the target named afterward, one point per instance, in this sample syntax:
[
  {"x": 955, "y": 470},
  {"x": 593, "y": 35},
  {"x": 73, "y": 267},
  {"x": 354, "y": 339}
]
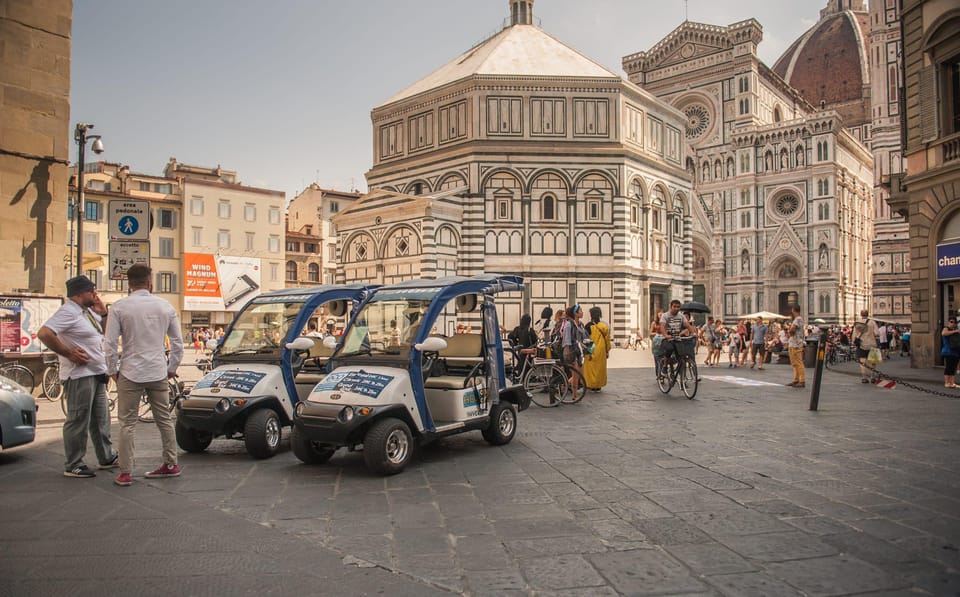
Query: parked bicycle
[
  {"x": 19, "y": 374},
  {"x": 50, "y": 384},
  {"x": 545, "y": 379},
  {"x": 177, "y": 393},
  {"x": 679, "y": 366}
]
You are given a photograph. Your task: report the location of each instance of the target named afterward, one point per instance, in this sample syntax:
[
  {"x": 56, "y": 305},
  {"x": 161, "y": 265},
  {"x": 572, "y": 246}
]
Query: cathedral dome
[{"x": 828, "y": 64}]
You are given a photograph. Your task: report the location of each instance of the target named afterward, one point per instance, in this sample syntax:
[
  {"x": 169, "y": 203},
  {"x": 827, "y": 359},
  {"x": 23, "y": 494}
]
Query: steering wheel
[
  {"x": 427, "y": 360},
  {"x": 479, "y": 371}
]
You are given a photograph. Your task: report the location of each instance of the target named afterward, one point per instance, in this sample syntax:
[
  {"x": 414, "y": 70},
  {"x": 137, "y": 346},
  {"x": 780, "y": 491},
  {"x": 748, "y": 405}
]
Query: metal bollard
[{"x": 818, "y": 373}]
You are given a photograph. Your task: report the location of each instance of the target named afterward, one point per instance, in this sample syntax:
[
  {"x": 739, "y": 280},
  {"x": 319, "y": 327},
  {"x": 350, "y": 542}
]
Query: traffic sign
[
  {"x": 129, "y": 219},
  {"x": 124, "y": 253}
]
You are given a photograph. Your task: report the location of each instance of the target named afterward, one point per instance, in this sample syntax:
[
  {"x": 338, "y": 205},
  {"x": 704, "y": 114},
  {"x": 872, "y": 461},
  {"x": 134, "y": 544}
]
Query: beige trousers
[
  {"x": 128, "y": 405},
  {"x": 796, "y": 361}
]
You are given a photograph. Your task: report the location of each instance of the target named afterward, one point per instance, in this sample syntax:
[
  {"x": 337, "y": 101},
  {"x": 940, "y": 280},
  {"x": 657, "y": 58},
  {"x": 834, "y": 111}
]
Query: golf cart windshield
[
  {"x": 385, "y": 327},
  {"x": 260, "y": 329}
]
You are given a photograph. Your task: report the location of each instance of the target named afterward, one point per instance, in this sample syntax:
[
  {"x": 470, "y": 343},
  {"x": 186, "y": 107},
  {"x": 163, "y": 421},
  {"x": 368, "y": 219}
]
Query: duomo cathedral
[{"x": 703, "y": 174}]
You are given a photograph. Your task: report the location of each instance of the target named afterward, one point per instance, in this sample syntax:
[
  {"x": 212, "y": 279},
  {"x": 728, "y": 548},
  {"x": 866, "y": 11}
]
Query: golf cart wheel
[
  {"x": 503, "y": 424},
  {"x": 307, "y": 451},
  {"x": 192, "y": 440},
  {"x": 388, "y": 446},
  {"x": 261, "y": 433}
]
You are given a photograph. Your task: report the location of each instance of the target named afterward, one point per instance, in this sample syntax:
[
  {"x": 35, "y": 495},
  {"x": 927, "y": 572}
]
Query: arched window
[
  {"x": 313, "y": 272},
  {"x": 777, "y": 116},
  {"x": 291, "y": 271},
  {"x": 549, "y": 207}
]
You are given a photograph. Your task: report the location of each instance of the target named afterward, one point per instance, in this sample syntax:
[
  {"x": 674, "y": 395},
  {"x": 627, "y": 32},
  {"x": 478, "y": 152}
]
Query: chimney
[{"x": 521, "y": 12}]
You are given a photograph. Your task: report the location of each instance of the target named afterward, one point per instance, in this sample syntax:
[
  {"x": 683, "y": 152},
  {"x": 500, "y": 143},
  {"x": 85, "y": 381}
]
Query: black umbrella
[{"x": 694, "y": 307}]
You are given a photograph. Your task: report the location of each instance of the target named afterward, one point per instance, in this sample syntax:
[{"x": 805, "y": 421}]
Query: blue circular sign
[{"x": 128, "y": 225}]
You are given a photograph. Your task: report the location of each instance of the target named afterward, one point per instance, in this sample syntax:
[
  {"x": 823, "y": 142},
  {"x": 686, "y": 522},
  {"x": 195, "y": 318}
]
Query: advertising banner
[
  {"x": 219, "y": 282},
  {"x": 20, "y": 320},
  {"x": 948, "y": 261}
]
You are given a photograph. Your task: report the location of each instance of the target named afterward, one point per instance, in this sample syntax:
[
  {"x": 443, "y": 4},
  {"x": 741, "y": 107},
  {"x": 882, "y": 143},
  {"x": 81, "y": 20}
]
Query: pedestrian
[
  {"x": 656, "y": 342},
  {"x": 707, "y": 333},
  {"x": 733, "y": 348},
  {"x": 883, "y": 341},
  {"x": 795, "y": 344},
  {"x": 142, "y": 320},
  {"x": 595, "y": 364},
  {"x": 719, "y": 335},
  {"x": 572, "y": 335},
  {"x": 758, "y": 343},
  {"x": 312, "y": 331},
  {"x": 865, "y": 339},
  {"x": 75, "y": 333},
  {"x": 950, "y": 351},
  {"x": 905, "y": 342},
  {"x": 524, "y": 339},
  {"x": 745, "y": 336}
]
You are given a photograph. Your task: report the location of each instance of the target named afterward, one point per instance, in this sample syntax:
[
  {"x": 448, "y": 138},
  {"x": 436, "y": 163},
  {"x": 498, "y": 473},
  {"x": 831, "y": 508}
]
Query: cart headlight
[
  {"x": 299, "y": 409},
  {"x": 223, "y": 405},
  {"x": 346, "y": 415}
]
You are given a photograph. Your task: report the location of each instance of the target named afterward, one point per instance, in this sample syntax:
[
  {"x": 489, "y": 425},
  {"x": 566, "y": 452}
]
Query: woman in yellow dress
[{"x": 595, "y": 365}]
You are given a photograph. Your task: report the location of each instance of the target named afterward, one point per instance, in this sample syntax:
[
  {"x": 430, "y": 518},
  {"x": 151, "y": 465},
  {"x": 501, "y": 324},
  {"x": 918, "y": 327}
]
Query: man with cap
[{"x": 75, "y": 333}]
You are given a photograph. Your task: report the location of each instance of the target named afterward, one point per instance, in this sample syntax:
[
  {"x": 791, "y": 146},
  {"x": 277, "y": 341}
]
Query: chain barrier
[{"x": 878, "y": 375}]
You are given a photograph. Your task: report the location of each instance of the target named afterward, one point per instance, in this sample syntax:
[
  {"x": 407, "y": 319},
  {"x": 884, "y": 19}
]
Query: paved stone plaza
[{"x": 742, "y": 491}]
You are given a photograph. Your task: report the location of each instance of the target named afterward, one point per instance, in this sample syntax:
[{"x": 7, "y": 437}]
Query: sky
[{"x": 281, "y": 91}]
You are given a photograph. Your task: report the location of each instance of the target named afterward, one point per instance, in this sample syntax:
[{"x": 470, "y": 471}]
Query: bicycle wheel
[
  {"x": 688, "y": 377},
  {"x": 665, "y": 377},
  {"x": 573, "y": 396},
  {"x": 20, "y": 375},
  {"x": 175, "y": 388},
  {"x": 50, "y": 383},
  {"x": 540, "y": 382}
]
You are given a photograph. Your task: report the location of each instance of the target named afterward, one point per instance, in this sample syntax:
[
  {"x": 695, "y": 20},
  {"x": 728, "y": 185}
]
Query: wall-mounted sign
[
  {"x": 129, "y": 219},
  {"x": 948, "y": 261}
]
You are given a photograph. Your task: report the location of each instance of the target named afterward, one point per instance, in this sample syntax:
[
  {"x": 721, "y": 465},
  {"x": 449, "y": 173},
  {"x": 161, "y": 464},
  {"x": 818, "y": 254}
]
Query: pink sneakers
[
  {"x": 123, "y": 480},
  {"x": 167, "y": 470}
]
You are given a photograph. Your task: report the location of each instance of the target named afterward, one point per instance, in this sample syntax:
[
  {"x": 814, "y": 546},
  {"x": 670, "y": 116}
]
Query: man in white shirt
[
  {"x": 143, "y": 320},
  {"x": 76, "y": 335}
]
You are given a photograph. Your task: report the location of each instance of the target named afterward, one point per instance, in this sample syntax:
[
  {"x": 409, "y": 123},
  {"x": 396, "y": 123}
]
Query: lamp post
[{"x": 81, "y": 137}]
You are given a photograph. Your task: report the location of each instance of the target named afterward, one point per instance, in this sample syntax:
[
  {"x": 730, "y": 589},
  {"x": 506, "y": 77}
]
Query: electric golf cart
[
  {"x": 262, "y": 369},
  {"x": 395, "y": 383}
]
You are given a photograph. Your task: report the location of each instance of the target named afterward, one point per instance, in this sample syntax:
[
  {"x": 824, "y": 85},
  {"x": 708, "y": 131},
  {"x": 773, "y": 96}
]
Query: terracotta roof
[{"x": 830, "y": 61}]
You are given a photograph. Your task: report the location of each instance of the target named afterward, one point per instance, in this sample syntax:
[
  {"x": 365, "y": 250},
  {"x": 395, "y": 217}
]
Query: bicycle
[
  {"x": 545, "y": 379},
  {"x": 679, "y": 366},
  {"x": 19, "y": 374},
  {"x": 50, "y": 384}
]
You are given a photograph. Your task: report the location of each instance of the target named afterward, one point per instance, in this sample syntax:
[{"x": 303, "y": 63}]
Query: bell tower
[{"x": 521, "y": 12}]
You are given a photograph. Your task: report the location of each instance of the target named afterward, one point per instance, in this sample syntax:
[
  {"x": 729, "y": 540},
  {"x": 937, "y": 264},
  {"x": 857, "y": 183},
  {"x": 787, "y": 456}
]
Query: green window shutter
[{"x": 929, "y": 107}]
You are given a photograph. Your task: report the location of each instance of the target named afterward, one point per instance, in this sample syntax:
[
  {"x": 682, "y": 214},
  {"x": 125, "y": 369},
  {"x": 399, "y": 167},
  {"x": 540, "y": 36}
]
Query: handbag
[{"x": 588, "y": 346}]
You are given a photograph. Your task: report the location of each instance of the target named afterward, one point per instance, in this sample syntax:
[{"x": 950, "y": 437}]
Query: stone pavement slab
[{"x": 742, "y": 491}]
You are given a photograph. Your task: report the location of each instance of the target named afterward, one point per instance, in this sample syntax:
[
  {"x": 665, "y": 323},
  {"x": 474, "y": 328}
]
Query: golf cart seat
[
  {"x": 462, "y": 353},
  {"x": 312, "y": 371}
]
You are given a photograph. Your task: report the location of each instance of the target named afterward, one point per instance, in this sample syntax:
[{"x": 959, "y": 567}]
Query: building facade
[
  {"x": 310, "y": 212},
  {"x": 524, "y": 156},
  {"x": 931, "y": 185},
  {"x": 785, "y": 186},
  {"x": 891, "y": 247},
  {"x": 35, "y": 144},
  {"x": 233, "y": 242}
]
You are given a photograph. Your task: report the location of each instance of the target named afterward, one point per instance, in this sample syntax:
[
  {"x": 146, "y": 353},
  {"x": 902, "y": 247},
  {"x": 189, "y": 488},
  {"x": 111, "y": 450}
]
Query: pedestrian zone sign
[
  {"x": 124, "y": 253},
  {"x": 129, "y": 219}
]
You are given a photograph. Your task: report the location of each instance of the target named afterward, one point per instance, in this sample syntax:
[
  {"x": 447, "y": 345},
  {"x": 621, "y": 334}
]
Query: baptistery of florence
[
  {"x": 524, "y": 156},
  {"x": 782, "y": 172}
]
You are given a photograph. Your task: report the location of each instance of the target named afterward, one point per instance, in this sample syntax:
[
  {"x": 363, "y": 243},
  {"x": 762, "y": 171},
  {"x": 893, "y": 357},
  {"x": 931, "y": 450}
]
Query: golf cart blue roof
[
  {"x": 451, "y": 286},
  {"x": 329, "y": 292}
]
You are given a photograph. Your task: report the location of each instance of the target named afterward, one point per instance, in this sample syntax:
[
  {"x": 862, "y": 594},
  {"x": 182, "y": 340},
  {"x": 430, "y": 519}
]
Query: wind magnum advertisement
[{"x": 219, "y": 282}]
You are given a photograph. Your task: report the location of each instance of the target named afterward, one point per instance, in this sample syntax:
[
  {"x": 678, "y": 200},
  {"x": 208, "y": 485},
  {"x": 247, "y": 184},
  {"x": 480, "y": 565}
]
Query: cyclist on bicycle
[{"x": 674, "y": 325}]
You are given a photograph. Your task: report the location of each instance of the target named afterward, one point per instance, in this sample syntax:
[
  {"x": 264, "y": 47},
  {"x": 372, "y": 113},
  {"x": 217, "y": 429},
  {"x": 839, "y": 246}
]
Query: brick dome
[{"x": 828, "y": 63}]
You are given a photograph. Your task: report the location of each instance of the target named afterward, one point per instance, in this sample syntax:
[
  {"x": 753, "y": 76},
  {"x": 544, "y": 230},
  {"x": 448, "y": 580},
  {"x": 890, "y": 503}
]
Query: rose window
[
  {"x": 698, "y": 121},
  {"x": 787, "y": 205}
]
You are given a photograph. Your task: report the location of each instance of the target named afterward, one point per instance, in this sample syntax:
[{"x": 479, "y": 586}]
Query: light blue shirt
[
  {"x": 73, "y": 328},
  {"x": 142, "y": 320}
]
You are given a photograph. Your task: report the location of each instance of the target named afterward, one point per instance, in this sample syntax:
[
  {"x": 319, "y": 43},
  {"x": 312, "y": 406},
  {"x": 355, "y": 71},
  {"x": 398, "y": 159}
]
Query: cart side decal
[
  {"x": 370, "y": 385},
  {"x": 240, "y": 381}
]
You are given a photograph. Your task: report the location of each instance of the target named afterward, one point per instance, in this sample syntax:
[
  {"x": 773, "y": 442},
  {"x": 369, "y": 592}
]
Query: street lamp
[{"x": 81, "y": 137}]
